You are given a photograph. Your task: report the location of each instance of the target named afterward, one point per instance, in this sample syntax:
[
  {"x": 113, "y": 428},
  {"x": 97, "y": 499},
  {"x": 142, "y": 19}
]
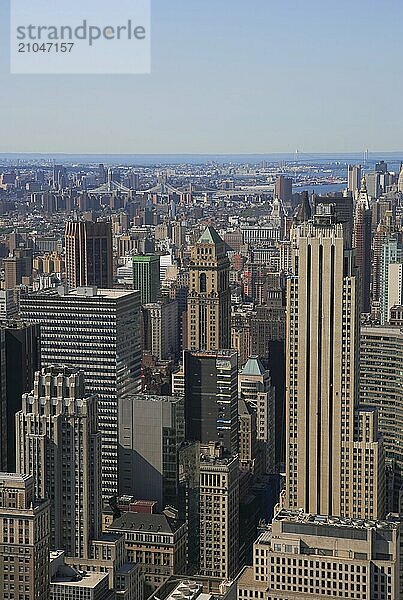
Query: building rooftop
[
  {"x": 385, "y": 330},
  {"x": 207, "y": 460},
  {"x": 186, "y": 590},
  {"x": 127, "y": 568},
  {"x": 104, "y": 293},
  {"x": 15, "y": 477},
  {"x": 81, "y": 292},
  {"x": 210, "y": 236},
  {"x": 303, "y": 517},
  {"x": 89, "y": 580},
  {"x": 154, "y": 398},
  {"x": 222, "y": 353},
  {"x": 107, "y": 537},
  {"x": 147, "y": 523},
  {"x": 253, "y": 367},
  {"x": 146, "y": 257},
  {"x": 243, "y": 408}
]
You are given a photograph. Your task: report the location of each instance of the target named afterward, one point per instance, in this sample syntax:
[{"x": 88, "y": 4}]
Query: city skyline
[{"x": 201, "y": 300}]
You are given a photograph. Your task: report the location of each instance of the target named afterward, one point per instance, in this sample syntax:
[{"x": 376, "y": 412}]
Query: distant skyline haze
[{"x": 227, "y": 77}]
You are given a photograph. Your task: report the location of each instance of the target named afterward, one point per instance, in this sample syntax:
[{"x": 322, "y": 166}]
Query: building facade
[
  {"x": 308, "y": 557},
  {"x": 151, "y": 429},
  {"x": 329, "y": 439},
  {"x": 98, "y": 332},
  {"x": 211, "y": 397},
  {"x": 209, "y": 301},
  {"x": 219, "y": 512},
  {"x": 24, "y": 539},
  {"x": 155, "y": 542},
  {"x": 146, "y": 276},
  {"x": 392, "y": 253},
  {"x": 58, "y": 442},
  {"x": 381, "y": 386},
  {"x": 20, "y": 358},
  {"x": 89, "y": 256},
  {"x": 257, "y": 391},
  {"x": 161, "y": 327},
  {"x": 362, "y": 244}
]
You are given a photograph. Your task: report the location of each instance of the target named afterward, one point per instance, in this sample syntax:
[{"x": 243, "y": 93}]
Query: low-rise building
[
  {"x": 108, "y": 555},
  {"x": 156, "y": 542},
  {"x": 67, "y": 583},
  {"x": 310, "y": 557}
]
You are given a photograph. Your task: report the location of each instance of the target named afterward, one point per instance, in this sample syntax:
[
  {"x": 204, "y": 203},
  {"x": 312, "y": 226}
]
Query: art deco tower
[
  {"x": 335, "y": 463},
  {"x": 328, "y": 538},
  {"x": 58, "y": 442},
  {"x": 362, "y": 244},
  {"x": 209, "y": 295}
]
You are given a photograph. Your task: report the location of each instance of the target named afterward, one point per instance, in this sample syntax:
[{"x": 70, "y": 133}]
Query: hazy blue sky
[{"x": 227, "y": 76}]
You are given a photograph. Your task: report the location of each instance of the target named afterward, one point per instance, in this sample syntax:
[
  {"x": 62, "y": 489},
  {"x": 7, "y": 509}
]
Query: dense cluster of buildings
[{"x": 201, "y": 386}]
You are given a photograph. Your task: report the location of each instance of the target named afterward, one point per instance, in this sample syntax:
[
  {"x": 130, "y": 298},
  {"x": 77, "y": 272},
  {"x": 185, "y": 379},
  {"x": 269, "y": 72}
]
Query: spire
[
  {"x": 363, "y": 198},
  {"x": 400, "y": 181}
]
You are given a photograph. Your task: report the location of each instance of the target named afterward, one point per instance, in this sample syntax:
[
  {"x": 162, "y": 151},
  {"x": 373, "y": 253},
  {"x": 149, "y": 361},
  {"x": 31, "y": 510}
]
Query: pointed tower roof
[
  {"x": 400, "y": 181},
  {"x": 304, "y": 212},
  {"x": 210, "y": 236},
  {"x": 363, "y": 198},
  {"x": 243, "y": 408},
  {"x": 253, "y": 367}
]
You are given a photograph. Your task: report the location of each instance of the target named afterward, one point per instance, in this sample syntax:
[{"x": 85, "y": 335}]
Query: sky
[{"x": 227, "y": 76}]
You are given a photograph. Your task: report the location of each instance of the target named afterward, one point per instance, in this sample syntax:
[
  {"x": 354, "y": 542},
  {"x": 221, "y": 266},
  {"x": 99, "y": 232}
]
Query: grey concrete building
[
  {"x": 96, "y": 331},
  {"x": 151, "y": 430},
  {"x": 211, "y": 397},
  {"x": 381, "y": 386}
]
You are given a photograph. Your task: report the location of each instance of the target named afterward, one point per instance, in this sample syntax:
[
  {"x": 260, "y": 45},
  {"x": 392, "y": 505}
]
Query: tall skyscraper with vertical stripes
[{"x": 335, "y": 458}]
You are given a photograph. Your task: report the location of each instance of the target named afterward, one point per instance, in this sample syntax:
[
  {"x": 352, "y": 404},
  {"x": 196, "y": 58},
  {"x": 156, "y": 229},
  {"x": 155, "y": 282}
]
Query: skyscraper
[
  {"x": 209, "y": 295},
  {"x": 354, "y": 178},
  {"x": 400, "y": 180},
  {"x": 89, "y": 258},
  {"x": 316, "y": 557},
  {"x": 395, "y": 286},
  {"x": 256, "y": 389},
  {"x": 373, "y": 184},
  {"x": 151, "y": 429},
  {"x": 362, "y": 244},
  {"x": 283, "y": 188},
  {"x": 146, "y": 276},
  {"x": 211, "y": 397},
  {"x": 58, "y": 442},
  {"x": 161, "y": 329},
  {"x": 24, "y": 548},
  {"x": 8, "y": 305},
  {"x": 381, "y": 386},
  {"x": 335, "y": 461},
  {"x": 219, "y": 512},
  {"x": 382, "y": 234},
  {"x": 98, "y": 332},
  {"x": 20, "y": 358},
  {"x": 392, "y": 253},
  {"x": 17, "y": 266},
  {"x": 326, "y": 537}
]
